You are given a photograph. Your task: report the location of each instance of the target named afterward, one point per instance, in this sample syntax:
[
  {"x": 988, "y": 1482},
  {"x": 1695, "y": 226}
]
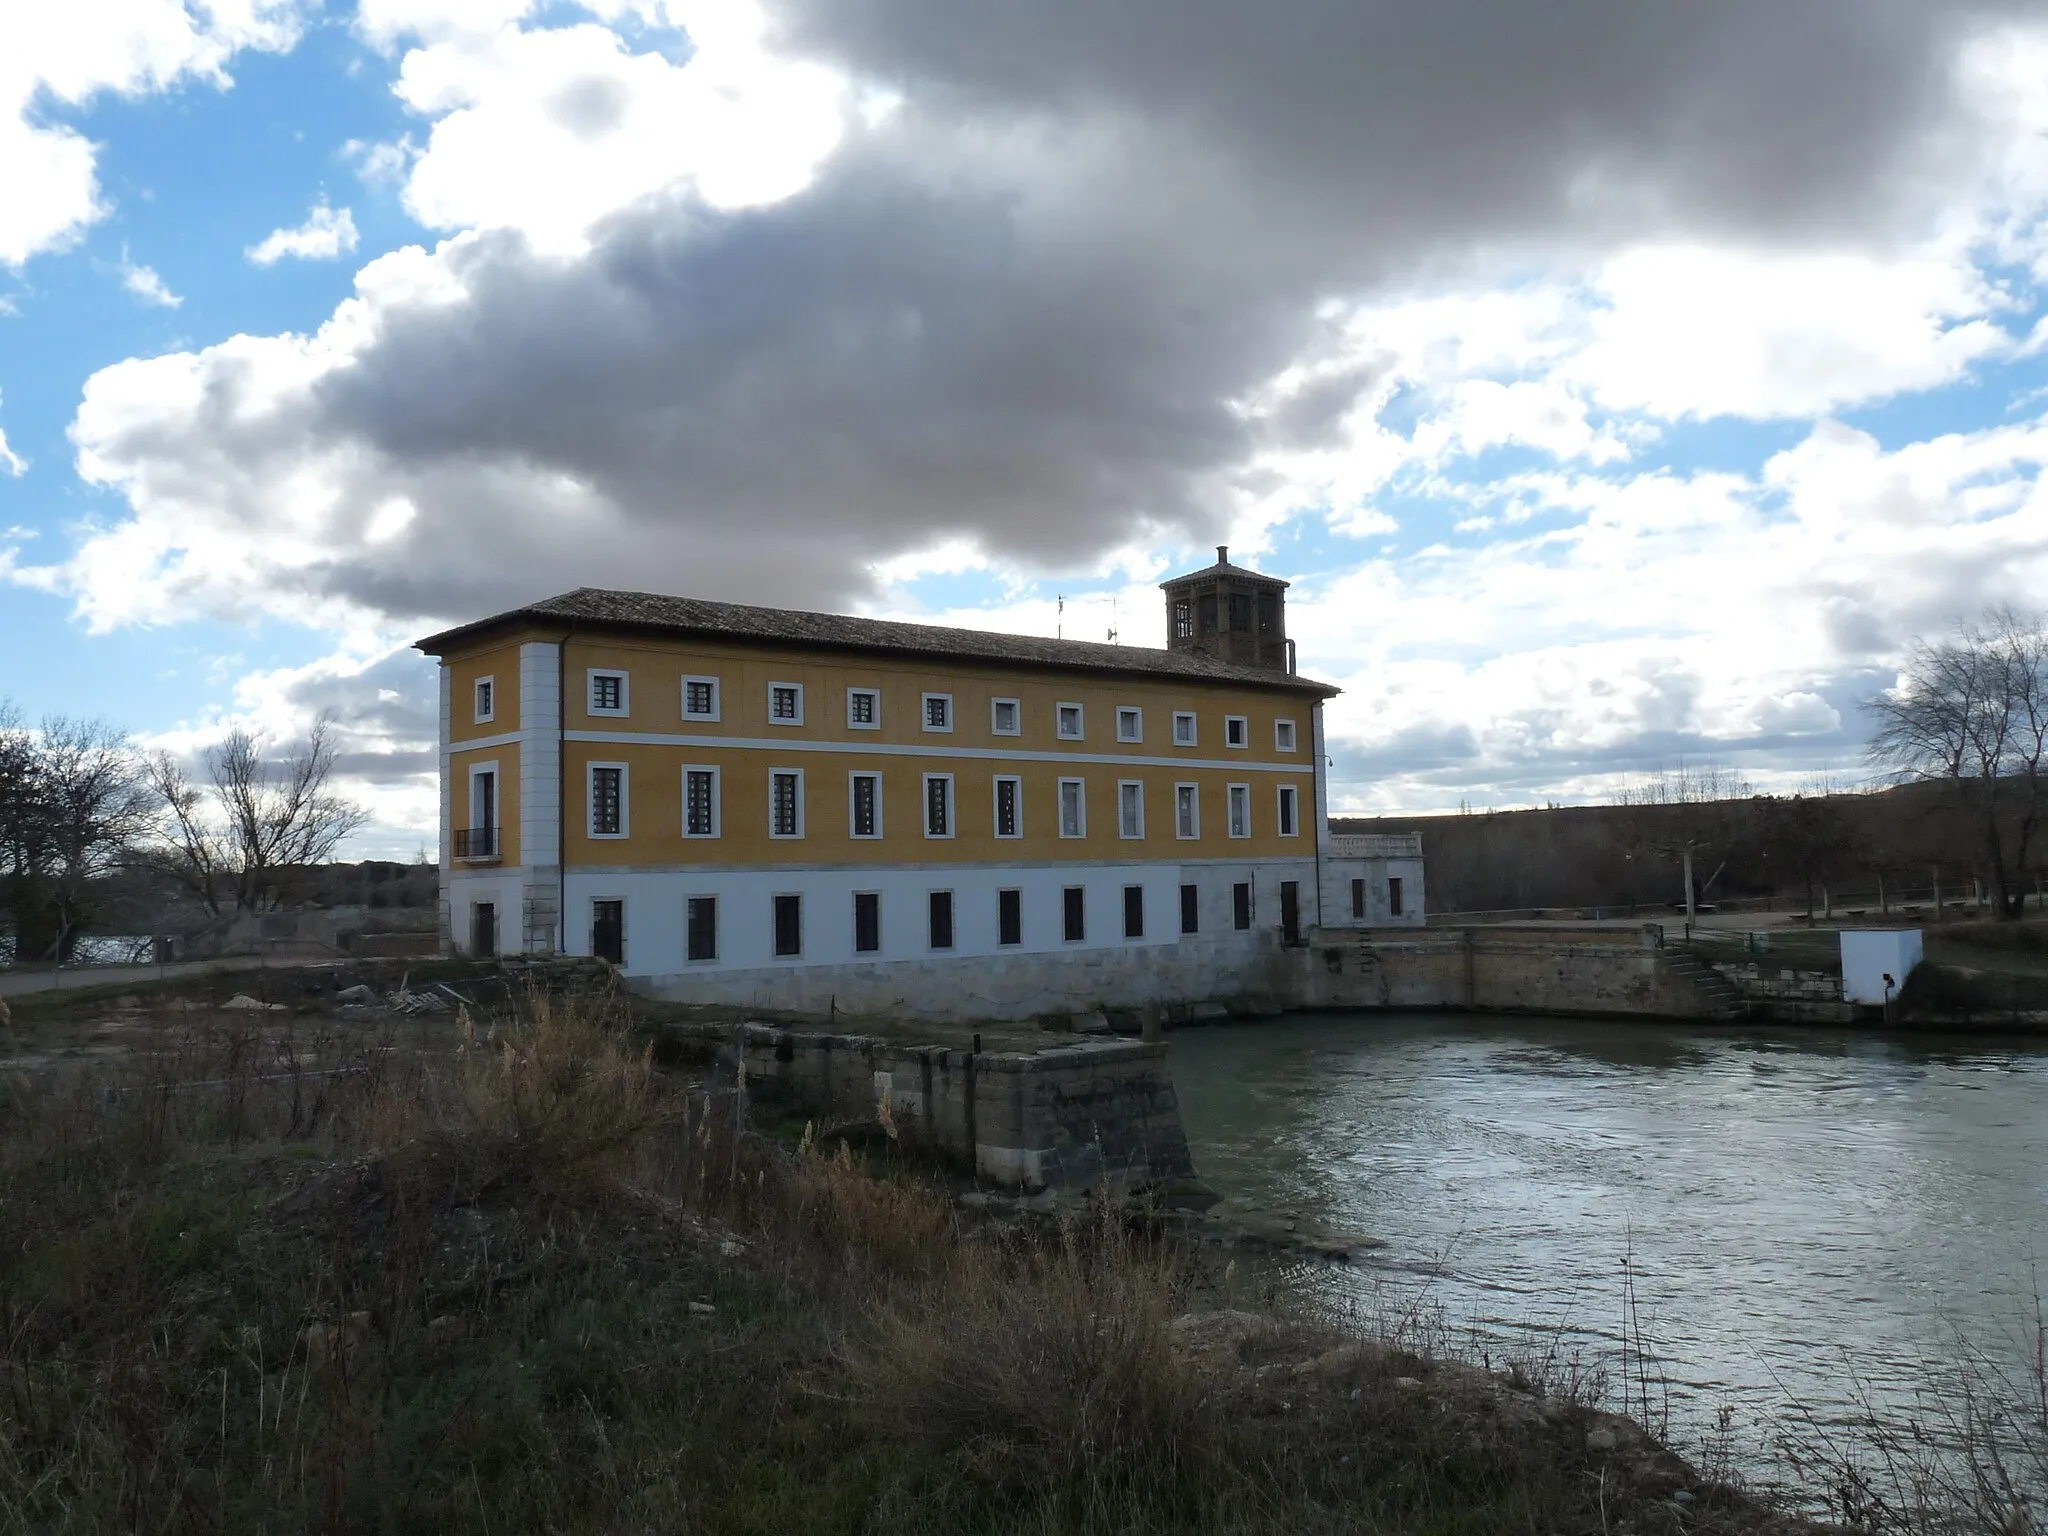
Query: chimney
[{"x": 1223, "y": 554}]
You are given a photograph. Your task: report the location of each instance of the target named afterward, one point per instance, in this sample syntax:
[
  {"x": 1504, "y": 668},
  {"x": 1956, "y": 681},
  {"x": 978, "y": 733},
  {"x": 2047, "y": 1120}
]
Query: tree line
[
  {"x": 81, "y": 804},
  {"x": 1960, "y": 750}
]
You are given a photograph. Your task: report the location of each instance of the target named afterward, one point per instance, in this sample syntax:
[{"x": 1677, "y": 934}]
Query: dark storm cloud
[{"x": 1021, "y": 311}]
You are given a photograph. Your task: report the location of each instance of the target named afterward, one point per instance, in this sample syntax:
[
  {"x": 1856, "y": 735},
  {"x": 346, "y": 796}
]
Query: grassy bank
[{"x": 268, "y": 1275}]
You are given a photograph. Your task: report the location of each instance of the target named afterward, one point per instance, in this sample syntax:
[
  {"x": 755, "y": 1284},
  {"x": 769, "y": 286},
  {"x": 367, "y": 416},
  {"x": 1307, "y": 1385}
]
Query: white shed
[{"x": 1873, "y": 956}]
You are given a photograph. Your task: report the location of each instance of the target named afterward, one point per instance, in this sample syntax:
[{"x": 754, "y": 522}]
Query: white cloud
[
  {"x": 146, "y": 285},
  {"x": 547, "y": 129},
  {"x": 326, "y": 234},
  {"x": 63, "y": 55}
]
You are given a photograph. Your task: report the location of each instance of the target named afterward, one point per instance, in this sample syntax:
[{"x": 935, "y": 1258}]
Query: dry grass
[{"x": 274, "y": 1277}]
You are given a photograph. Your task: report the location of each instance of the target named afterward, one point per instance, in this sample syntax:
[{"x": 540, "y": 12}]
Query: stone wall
[
  {"x": 1027, "y": 985},
  {"x": 1792, "y": 996},
  {"x": 1068, "y": 1117},
  {"x": 1527, "y": 970}
]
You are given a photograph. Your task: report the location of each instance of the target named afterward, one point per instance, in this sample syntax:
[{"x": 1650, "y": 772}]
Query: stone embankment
[{"x": 1079, "y": 1114}]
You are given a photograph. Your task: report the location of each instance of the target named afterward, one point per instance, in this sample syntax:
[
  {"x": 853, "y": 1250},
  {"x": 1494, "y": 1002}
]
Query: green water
[{"x": 1808, "y": 1219}]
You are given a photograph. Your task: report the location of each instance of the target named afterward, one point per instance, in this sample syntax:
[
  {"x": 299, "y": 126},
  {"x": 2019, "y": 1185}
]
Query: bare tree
[
  {"x": 1685, "y": 815},
  {"x": 72, "y": 804},
  {"x": 1971, "y": 712},
  {"x": 1807, "y": 835},
  {"x": 233, "y": 840}
]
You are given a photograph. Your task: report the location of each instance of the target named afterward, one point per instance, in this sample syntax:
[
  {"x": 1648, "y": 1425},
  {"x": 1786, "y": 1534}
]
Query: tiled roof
[
  {"x": 1224, "y": 566},
  {"x": 788, "y": 626}
]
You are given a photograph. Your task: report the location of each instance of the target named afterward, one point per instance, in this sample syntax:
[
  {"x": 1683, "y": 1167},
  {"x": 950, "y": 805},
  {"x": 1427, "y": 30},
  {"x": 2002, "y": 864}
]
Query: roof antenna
[
  {"x": 1112, "y": 621},
  {"x": 1059, "y": 631}
]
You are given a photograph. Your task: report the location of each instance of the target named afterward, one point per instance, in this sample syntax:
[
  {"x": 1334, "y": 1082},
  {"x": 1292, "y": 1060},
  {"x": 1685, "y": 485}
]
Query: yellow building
[{"x": 757, "y": 804}]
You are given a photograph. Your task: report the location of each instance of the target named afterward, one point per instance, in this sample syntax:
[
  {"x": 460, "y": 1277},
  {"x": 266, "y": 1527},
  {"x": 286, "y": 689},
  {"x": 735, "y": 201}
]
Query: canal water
[{"x": 1796, "y": 1224}]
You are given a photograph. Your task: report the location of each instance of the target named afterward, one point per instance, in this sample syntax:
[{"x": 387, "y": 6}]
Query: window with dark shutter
[
  {"x": 1073, "y": 914},
  {"x": 702, "y": 928},
  {"x": 1134, "y": 911},
  {"x": 942, "y": 919},
  {"x": 789, "y": 925},
  {"x": 1241, "y": 905},
  {"x": 1190, "y": 910},
  {"x": 1009, "y": 917},
  {"x": 867, "y": 922}
]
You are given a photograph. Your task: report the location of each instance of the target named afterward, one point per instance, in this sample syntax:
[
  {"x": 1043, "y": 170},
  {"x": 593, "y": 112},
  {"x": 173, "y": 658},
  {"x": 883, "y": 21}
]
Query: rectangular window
[
  {"x": 608, "y": 694},
  {"x": 608, "y": 931},
  {"x": 785, "y": 703},
  {"x": 1130, "y": 808},
  {"x": 865, "y": 790},
  {"x": 483, "y": 928},
  {"x": 701, "y": 927},
  {"x": 1009, "y": 814},
  {"x": 700, "y": 802},
  {"x": 1009, "y": 917},
  {"x": 1394, "y": 897},
  {"x": 1183, "y": 618},
  {"x": 486, "y": 700},
  {"x": 1073, "y": 809},
  {"x": 1240, "y": 810},
  {"x": 789, "y": 925},
  {"x": 1241, "y": 905},
  {"x": 942, "y": 919},
  {"x": 1240, "y": 612},
  {"x": 1207, "y": 607},
  {"x": 700, "y": 698},
  {"x": 1069, "y": 718},
  {"x": 1183, "y": 728},
  {"x": 1003, "y": 717},
  {"x": 1236, "y": 731},
  {"x": 1190, "y": 910},
  {"x": 1283, "y": 735},
  {"x": 867, "y": 922},
  {"x": 481, "y": 840},
  {"x": 1358, "y": 898},
  {"x": 1134, "y": 911},
  {"x": 1130, "y": 724},
  {"x": 938, "y": 805},
  {"x": 786, "y": 802},
  {"x": 1288, "y": 797},
  {"x": 607, "y": 799},
  {"x": 1073, "y": 914},
  {"x": 864, "y": 709},
  {"x": 1187, "y": 811},
  {"x": 938, "y": 711}
]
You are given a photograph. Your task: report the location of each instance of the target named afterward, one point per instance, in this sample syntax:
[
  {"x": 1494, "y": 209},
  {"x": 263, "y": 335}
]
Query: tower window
[{"x": 1183, "y": 618}]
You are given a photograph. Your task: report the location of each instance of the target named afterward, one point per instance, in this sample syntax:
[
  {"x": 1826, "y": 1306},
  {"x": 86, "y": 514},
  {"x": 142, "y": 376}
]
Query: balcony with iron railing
[{"x": 477, "y": 845}]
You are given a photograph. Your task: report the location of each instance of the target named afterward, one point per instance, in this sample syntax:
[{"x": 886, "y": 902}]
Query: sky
[{"x": 1617, "y": 385}]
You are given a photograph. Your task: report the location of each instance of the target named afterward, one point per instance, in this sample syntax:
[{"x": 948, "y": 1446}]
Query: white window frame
[
  {"x": 1136, "y": 717},
  {"x": 802, "y": 922},
  {"x": 863, "y": 725},
  {"x": 712, "y": 897},
  {"x": 1189, "y": 716},
  {"x": 717, "y": 801},
  {"x": 995, "y": 804},
  {"x": 590, "y": 677},
  {"x": 1080, "y": 808},
  {"x": 1194, "y": 832},
  {"x": 1122, "y": 830},
  {"x": 1235, "y": 795},
  {"x": 625, "y": 802},
  {"x": 1286, "y": 736},
  {"x": 484, "y": 716},
  {"x": 852, "y": 779},
  {"x": 786, "y": 837},
  {"x": 952, "y": 921},
  {"x": 477, "y": 771},
  {"x": 1059, "y": 721},
  {"x": 717, "y": 698},
  {"x": 1244, "y": 733},
  {"x": 881, "y": 919},
  {"x": 799, "y": 688},
  {"x": 1283, "y": 796},
  {"x": 924, "y": 713},
  {"x": 995, "y": 717},
  {"x": 924, "y": 807}
]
